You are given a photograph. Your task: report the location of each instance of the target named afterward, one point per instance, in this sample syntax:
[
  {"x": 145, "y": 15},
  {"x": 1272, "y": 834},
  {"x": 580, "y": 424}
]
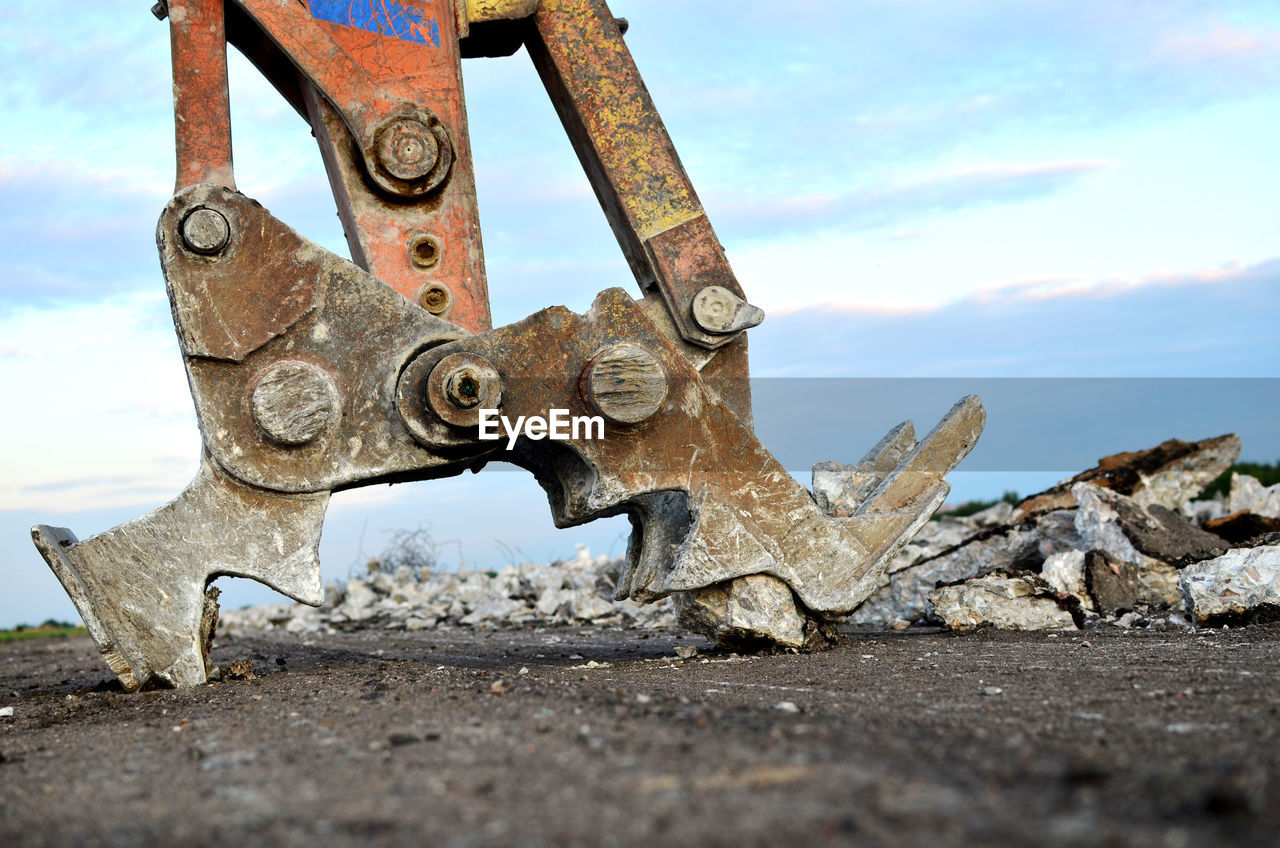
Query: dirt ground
[{"x": 605, "y": 737}]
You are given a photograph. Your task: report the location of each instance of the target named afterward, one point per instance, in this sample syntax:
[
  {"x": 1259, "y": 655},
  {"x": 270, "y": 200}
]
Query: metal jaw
[
  {"x": 140, "y": 588},
  {"x": 292, "y": 355},
  {"x": 310, "y": 374},
  {"x": 707, "y": 501},
  {"x": 341, "y": 382}
]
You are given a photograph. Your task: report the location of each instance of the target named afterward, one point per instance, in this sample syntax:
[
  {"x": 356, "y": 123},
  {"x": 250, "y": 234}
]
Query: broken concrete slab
[
  {"x": 575, "y": 590},
  {"x": 1249, "y": 495},
  {"x": 1168, "y": 536},
  {"x": 1098, "y": 523},
  {"x": 941, "y": 534},
  {"x": 906, "y": 595},
  {"x": 994, "y": 515},
  {"x": 1151, "y": 538},
  {"x": 1245, "y": 529},
  {"x": 1007, "y": 601},
  {"x": 1112, "y": 584},
  {"x": 1170, "y": 474},
  {"x": 1064, "y": 572},
  {"x": 1151, "y": 530},
  {"x": 1242, "y": 585},
  {"x": 1023, "y": 546},
  {"x": 744, "y": 612},
  {"x": 1208, "y": 509}
]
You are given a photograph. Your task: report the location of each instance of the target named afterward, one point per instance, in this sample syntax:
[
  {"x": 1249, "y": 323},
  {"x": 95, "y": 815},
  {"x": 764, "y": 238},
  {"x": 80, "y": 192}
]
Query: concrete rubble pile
[
  {"x": 579, "y": 590},
  {"x": 1124, "y": 543}
]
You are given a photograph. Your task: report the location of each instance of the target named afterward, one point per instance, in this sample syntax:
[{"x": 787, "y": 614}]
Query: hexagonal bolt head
[
  {"x": 460, "y": 384},
  {"x": 717, "y": 310},
  {"x": 205, "y": 231},
  {"x": 294, "y": 402},
  {"x": 625, "y": 383}
]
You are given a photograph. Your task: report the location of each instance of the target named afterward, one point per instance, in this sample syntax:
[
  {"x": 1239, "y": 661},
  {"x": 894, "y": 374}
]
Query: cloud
[
  {"x": 69, "y": 232},
  {"x": 894, "y": 203},
  {"x": 81, "y": 57},
  {"x": 1223, "y": 43},
  {"x": 1213, "y": 322},
  {"x": 867, "y": 87},
  {"x": 104, "y": 415},
  {"x": 1084, "y": 288}
]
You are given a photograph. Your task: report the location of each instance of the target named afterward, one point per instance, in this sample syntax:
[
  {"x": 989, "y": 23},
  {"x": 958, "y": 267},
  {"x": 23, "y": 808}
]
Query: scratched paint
[{"x": 384, "y": 17}]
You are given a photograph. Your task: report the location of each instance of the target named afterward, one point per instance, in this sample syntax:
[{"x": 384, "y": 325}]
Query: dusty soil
[{"x": 1103, "y": 738}]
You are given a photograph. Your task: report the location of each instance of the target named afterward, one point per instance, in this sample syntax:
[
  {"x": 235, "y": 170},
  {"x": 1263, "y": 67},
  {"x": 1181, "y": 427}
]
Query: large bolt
[
  {"x": 625, "y": 383},
  {"x": 205, "y": 231},
  {"x": 294, "y": 402},
  {"x": 460, "y": 385},
  {"x": 410, "y": 154},
  {"x": 717, "y": 310},
  {"x": 407, "y": 149}
]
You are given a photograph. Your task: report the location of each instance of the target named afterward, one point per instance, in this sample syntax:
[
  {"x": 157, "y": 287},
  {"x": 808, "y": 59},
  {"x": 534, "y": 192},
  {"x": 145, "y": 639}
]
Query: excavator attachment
[{"x": 312, "y": 373}]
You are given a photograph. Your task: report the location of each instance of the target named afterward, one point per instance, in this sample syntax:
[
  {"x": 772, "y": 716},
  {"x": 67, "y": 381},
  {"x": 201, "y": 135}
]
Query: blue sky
[{"x": 961, "y": 190}]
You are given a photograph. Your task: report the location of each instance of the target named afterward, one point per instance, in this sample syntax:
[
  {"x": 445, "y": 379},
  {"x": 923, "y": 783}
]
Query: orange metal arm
[
  {"x": 201, "y": 105},
  {"x": 578, "y": 50}
]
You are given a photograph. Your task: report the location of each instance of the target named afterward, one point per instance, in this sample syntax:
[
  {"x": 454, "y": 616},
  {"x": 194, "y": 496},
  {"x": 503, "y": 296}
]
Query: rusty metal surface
[
  {"x": 417, "y": 247},
  {"x": 687, "y": 259},
  {"x": 201, "y": 103},
  {"x": 310, "y": 374},
  {"x": 707, "y": 500},
  {"x": 229, "y": 303},
  {"x": 367, "y": 81},
  {"x": 480, "y": 11},
  {"x": 578, "y": 50},
  {"x": 340, "y": 324}
]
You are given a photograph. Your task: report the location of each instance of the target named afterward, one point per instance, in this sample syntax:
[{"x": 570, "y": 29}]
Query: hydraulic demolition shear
[{"x": 311, "y": 373}]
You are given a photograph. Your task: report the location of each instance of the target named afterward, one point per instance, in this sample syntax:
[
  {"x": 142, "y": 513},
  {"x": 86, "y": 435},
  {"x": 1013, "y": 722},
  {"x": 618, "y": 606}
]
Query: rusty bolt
[
  {"x": 460, "y": 384},
  {"x": 294, "y": 402},
  {"x": 435, "y": 298},
  {"x": 625, "y": 383},
  {"x": 720, "y": 311},
  {"x": 205, "y": 231},
  {"x": 410, "y": 154},
  {"x": 463, "y": 388},
  {"x": 407, "y": 149}
]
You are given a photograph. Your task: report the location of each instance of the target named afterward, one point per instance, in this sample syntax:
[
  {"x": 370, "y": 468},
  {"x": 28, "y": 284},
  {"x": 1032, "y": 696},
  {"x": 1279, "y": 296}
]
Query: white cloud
[
  {"x": 100, "y": 412},
  {"x": 1212, "y": 322}
]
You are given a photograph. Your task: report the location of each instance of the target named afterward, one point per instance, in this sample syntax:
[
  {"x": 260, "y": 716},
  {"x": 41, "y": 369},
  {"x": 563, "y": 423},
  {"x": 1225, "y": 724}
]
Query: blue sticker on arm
[{"x": 384, "y": 17}]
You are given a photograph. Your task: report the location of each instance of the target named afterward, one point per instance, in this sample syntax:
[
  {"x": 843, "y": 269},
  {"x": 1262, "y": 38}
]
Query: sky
[{"x": 1069, "y": 205}]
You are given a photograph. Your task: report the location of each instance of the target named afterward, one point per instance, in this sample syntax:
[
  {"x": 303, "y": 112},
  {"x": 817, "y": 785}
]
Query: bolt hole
[
  {"x": 435, "y": 298},
  {"x": 424, "y": 252}
]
